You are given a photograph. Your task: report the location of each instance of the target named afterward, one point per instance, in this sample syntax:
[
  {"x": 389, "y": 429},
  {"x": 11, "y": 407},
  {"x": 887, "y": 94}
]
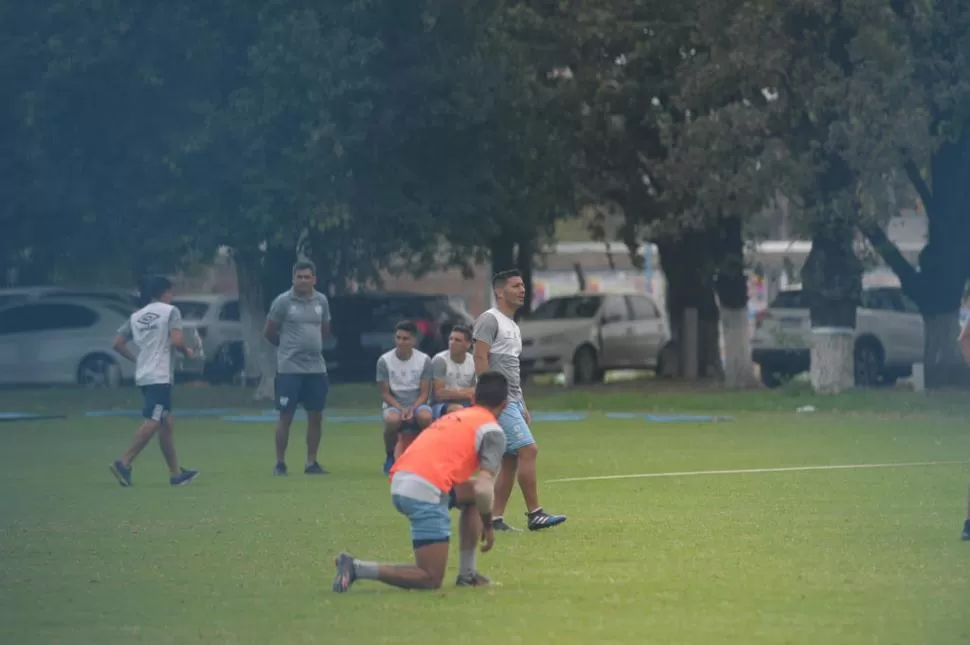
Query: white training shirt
[
  {"x": 150, "y": 328},
  {"x": 455, "y": 375}
]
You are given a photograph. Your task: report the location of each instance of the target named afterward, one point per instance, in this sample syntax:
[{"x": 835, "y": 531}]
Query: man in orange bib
[{"x": 436, "y": 473}]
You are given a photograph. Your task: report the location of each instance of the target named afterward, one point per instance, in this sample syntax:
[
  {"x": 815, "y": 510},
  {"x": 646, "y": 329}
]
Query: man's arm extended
[
  {"x": 425, "y": 385},
  {"x": 325, "y": 330}
]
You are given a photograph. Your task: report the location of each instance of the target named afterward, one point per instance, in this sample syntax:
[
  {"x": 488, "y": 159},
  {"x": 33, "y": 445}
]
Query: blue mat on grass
[
  {"x": 178, "y": 412},
  {"x": 270, "y": 416},
  {"x": 667, "y": 418},
  {"x": 27, "y": 416}
]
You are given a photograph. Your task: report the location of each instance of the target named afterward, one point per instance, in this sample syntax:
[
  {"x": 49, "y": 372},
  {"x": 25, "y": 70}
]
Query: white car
[
  {"x": 216, "y": 320},
  {"x": 594, "y": 332},
  {"x": 53, "y": 341},
  {"x": 888, "y": 337}
]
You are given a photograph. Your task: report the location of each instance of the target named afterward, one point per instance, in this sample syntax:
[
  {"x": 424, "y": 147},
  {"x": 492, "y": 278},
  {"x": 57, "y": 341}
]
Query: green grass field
[{"x": 824, "y": 556}]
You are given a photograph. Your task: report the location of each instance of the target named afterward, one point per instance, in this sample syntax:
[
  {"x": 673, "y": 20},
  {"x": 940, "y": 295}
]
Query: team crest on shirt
[{"x": 318, "y": 309}]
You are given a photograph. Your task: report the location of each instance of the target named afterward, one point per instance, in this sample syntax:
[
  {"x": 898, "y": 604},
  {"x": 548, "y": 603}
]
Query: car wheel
[
  {"x": 99, "y": 371},
  {"x": 867, "y": 363},
  {"x": 585, "y": 366}
]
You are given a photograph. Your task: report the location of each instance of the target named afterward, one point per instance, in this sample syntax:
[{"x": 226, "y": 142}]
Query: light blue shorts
[
  {"x": 430, "y": 523},
  {"x": 440, "y": 408},
  {"x": 518, "y": 435}
]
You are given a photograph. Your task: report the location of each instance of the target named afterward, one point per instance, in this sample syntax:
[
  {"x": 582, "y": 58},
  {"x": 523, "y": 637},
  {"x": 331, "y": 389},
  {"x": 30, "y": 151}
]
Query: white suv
[{"x": 888, "y": 337}]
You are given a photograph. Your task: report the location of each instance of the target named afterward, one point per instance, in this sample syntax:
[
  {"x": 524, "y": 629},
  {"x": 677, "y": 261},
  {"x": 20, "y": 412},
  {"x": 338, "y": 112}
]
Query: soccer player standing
[
  {"x": 297, "y": 323},
  {"x": 435, "y": 474},
  {"x": 453, "y": 374},
  {"x": 155, "y": 329},
  {"x": 498, "y": 345}
]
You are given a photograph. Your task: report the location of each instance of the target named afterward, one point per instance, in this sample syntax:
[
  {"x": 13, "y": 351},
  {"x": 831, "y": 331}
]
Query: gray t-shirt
[
  {"x": 404, "y": 377},
  {"x": 299, "y": 321},
  {"x": 501, "y": 334},
  {"x": 456, "y": 376}
]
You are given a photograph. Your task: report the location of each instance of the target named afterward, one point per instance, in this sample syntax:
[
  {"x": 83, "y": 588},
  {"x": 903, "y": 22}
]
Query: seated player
[
  {"x": 453, "y": 373},
  {"x": 435, "y": 474},
  {"x": 404, "y": 374}
]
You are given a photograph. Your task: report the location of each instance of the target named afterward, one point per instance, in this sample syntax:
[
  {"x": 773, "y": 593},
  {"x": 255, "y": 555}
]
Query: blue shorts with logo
[
  {"x": 430, "y": 523},
  {"x": 439, "y": 409},
  {"x": 156, "y": 401},
  {"x": 518, "y": 435}
]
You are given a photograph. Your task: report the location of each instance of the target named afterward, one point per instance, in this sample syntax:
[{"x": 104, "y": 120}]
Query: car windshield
[
  {"x": 567, "y": 308},
  {"x": 191, "y": 309}
]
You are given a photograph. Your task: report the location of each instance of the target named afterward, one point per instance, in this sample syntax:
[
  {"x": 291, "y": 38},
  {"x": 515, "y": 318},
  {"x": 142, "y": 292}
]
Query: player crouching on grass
[{"x": 434, "y": 474}]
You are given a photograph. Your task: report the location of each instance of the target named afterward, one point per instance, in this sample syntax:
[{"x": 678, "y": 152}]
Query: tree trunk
[
  {"x": 942, "y": 352},
  {"x": 832, "y": 284},
  {"x": 732, "y": 294},
  {"x": 525, "y": 259},
  {"x": 690, "y": 285}
]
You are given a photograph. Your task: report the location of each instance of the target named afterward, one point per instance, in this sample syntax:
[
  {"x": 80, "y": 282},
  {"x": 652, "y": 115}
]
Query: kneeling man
[{"x": 435, "y": 474}]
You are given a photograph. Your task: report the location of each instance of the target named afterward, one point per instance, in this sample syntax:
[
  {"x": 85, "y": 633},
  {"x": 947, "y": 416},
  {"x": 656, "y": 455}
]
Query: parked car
[
  {"x": 363, "y": 328},
  {"x": 52, "y": 341},
  {"x": 15, "y": 295},
  {"x": 216, "y": 321},
  {"x": 595, "y": 332},
  {"x": 888, "y": 337}
]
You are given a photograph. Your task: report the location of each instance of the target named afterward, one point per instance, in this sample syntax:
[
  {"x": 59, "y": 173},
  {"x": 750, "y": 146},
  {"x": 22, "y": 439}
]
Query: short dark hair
[
  {"x": 303, "y": 265},
  {"x": 492, "y": 389},
  {"x": 153, "y": 287},
  {"x": 462, "y": 329},
  {"x": 408, "y": 326},
  {"x": 500, "y": 278}
]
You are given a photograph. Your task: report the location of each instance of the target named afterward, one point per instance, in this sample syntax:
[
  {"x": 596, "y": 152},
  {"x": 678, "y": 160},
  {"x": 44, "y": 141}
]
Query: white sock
[
  {"x": 365, "y": 570},
  {"x": 466, "y": 563}
]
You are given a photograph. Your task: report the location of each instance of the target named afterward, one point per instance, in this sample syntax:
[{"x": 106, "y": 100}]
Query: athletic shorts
[
  {"x": 156, "y": 401},
  {"x": 430, "y": 523},
  {"x": 408, "y": 426},
  {"x": 438, "y": 409},
  {"x": 308, "y": 390},
  {"x": 518, "y": 435}
]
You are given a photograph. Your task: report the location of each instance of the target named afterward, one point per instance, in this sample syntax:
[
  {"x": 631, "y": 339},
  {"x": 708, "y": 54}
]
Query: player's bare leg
[
  {"x": 469, "y": 534},
  {"x": 504, "y": 482},
  {"x": 178, "y": 476},
  {"x": 282, "y": 440},
  {"x": 528, "y": 480},
  {"x": 166, "y": 441},
  {"x": 404, "y": 439},
  {"x": 392, "y": 427},
  {"x": 142, "y": 436},
  {"x": 314, "y": 431},
  {"x": 427, "y": 572}
]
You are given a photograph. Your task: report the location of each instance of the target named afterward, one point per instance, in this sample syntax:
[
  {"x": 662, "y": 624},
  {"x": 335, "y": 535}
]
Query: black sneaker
[
  {"x": 498, "y": 524},
  {"x": 315, "y": 469},
  {"x": 474, "y": 580},
  {"x": 539, "y": 519},
  {"x": 345, "y": 572},
  {"x": 966, "y": 531},
  {"x": 280, "y": 470}
]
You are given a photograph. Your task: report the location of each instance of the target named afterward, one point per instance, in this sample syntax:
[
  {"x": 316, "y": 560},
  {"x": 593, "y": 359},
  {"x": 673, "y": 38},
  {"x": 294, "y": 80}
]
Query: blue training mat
[
  {"x": 558, "y": 416},
  {"x": 27, "y": 416},
  {"x": 271, "y": 417},
  {"x": 178, "y": 412},
  {"x": 668, "y": 418}
]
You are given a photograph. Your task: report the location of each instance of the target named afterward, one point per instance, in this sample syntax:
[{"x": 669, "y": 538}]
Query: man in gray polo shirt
[{"x": 297, "y": 323}]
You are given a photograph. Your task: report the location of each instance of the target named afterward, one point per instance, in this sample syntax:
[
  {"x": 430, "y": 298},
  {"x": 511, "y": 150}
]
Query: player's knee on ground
[{"x": 423, "y": 417}]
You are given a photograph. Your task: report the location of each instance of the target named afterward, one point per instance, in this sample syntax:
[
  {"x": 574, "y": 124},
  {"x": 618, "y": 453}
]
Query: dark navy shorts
[
  {"x": 156, "y": 401},
  {"x": 439, "y": 409},
  {"x": 308, "y": 390}
]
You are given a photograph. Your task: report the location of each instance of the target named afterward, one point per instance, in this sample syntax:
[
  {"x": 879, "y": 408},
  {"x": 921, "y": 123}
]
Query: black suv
[{"x": 363, "y": 328}]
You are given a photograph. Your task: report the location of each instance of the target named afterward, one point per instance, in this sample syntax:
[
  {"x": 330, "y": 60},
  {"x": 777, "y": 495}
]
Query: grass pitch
[{"x": 823, "y": 556}]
